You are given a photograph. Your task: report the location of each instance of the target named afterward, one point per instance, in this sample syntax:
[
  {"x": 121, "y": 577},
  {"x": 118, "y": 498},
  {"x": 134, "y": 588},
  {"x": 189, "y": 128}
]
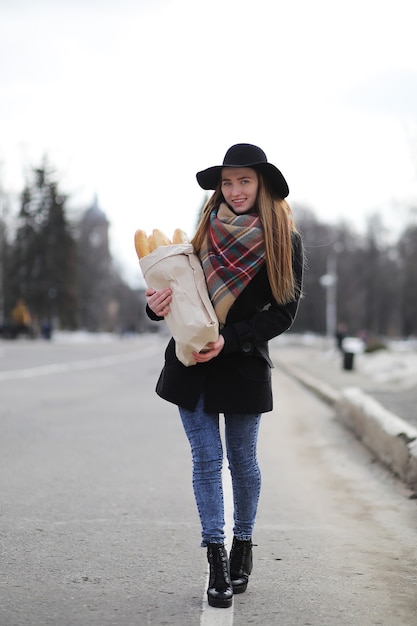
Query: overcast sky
[{"x": 130, "y": 99}]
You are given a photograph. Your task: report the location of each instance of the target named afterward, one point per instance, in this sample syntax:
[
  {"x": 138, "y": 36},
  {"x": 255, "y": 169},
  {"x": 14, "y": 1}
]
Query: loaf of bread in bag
[
  {"x": 160, "y": 238},
  {"x": 142, "y": 243},
  {"x": 152, "y": 243},
  {"x": 180, "y": 236}
]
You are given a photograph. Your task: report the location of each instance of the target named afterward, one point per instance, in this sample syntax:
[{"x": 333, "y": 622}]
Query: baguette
[
  {"x": 160, "y": 238},
  {"x": 152, "y": 243},
  {"x": 180, "y": 236},
  {"x": 141, "y": 244}
]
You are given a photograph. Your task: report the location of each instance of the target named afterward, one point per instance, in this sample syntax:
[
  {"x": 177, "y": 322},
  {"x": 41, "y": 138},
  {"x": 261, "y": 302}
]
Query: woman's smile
[{"x": 239, "y": 202}]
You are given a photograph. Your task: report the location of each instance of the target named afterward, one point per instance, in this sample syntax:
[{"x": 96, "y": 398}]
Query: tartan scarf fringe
[{"x": 231, "y": 255}]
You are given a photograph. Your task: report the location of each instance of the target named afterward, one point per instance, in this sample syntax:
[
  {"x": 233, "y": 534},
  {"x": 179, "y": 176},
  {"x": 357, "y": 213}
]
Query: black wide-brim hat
[{"x": 245, "y": 155}]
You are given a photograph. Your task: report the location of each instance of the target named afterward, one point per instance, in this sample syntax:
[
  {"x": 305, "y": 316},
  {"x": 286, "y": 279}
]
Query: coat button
[{"x": 246, "y": 347}]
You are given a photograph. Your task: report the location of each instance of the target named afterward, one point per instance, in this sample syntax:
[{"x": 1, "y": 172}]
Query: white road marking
[
  {"x": 62, "y": 368},
  {"x": 211, "y": 616}
]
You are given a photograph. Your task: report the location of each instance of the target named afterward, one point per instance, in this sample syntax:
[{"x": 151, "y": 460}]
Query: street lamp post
[
  {"x": 329, "y": 282},
  {"x": 2, "y": 255},
  {"x": 3, "y": 211}
]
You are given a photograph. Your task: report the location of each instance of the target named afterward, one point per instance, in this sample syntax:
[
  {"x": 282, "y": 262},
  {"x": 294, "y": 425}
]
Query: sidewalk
[
  {"x": 326, "y": 364},
  {"x": 377, "y": 399}
]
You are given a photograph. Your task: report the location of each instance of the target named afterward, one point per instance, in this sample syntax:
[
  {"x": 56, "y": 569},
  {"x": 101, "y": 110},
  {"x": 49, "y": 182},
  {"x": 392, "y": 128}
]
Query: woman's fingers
[
  {"x": 158, "y": 301},
  {"x": 210, "y": 351}
]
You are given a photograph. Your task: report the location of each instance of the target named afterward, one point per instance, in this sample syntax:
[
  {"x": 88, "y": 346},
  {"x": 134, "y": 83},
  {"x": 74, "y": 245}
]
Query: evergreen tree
[{"x": 44, "y": 253}]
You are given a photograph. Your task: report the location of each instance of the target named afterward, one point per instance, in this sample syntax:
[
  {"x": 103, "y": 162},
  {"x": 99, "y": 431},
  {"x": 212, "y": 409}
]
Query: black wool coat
[{"x": 239, "y": 379}]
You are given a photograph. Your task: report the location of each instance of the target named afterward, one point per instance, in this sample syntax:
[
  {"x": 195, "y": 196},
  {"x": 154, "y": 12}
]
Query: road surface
[{"x": 98, "y": 524}]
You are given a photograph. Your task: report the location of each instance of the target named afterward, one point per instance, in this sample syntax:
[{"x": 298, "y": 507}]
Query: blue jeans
[{"x": 241, "y": 436}]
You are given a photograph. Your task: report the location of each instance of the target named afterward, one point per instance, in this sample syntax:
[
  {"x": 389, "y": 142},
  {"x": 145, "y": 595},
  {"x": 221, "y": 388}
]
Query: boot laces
[{"x": 219, "y": 573}]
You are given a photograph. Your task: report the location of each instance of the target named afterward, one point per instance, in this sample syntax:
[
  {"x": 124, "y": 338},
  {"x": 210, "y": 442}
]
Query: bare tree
[{"x": 407, "y": 279}]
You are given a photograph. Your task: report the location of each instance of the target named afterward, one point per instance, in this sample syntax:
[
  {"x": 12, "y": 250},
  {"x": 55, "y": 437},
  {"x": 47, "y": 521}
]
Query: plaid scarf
[{"x": 231, "y": 255}]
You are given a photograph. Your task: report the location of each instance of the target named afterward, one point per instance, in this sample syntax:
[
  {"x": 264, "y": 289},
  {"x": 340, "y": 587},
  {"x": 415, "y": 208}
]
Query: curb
[{"x": 390, "y": 438}]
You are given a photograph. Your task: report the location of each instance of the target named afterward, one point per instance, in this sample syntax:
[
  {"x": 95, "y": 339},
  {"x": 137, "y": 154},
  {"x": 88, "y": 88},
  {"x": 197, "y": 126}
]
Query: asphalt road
[{"x": 98, "y": 524}]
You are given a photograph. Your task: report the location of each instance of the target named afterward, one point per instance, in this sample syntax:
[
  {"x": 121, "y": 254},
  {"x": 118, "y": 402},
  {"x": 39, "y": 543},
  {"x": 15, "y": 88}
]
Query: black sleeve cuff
[{"x": 152, "y": 315}]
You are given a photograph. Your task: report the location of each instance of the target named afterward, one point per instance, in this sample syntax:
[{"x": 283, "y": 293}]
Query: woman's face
[{"x": 239, "y": 187}]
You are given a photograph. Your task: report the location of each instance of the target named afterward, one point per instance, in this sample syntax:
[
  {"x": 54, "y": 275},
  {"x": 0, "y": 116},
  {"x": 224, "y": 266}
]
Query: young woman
[{"x": 252, "y": 259}]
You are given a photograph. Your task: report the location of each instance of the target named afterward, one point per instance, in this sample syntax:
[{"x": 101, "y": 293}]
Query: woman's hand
[
  {"x": 158, "y": 301},
  {"x": 210, "y": 351}
]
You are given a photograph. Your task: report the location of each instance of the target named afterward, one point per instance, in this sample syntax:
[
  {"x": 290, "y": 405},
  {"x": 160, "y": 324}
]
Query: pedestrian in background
[
  {"x": 340, "y": 335},
  {"x": 252, "y": 259},
  {"x": 21, "y": 319}
]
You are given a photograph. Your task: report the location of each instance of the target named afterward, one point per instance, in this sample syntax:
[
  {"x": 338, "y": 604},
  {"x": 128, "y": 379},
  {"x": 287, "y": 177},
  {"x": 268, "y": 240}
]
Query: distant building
[
  {"x": 106, "y": 302},
  {"x": 95, "y": 270}
]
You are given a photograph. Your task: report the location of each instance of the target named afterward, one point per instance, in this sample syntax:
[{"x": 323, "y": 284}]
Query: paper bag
[{"x": 191, "y": 319}]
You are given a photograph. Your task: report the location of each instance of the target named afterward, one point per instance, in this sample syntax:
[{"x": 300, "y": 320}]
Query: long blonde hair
[{"x": 277, "y": 224}]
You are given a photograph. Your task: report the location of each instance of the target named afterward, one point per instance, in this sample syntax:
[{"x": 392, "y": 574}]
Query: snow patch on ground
[
  {"x": 397, "y": 364},
  {"x": 387, "y": 366}
]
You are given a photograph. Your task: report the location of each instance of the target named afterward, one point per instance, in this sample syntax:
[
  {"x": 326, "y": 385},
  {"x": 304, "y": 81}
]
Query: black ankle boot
[
  {"x": 240, "y": 564},
  {"x": 219, "y": 592}
]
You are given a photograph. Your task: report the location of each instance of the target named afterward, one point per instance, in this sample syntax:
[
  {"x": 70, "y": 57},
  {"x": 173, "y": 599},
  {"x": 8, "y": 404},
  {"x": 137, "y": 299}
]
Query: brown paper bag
[{"x": 191, "y": 320}]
